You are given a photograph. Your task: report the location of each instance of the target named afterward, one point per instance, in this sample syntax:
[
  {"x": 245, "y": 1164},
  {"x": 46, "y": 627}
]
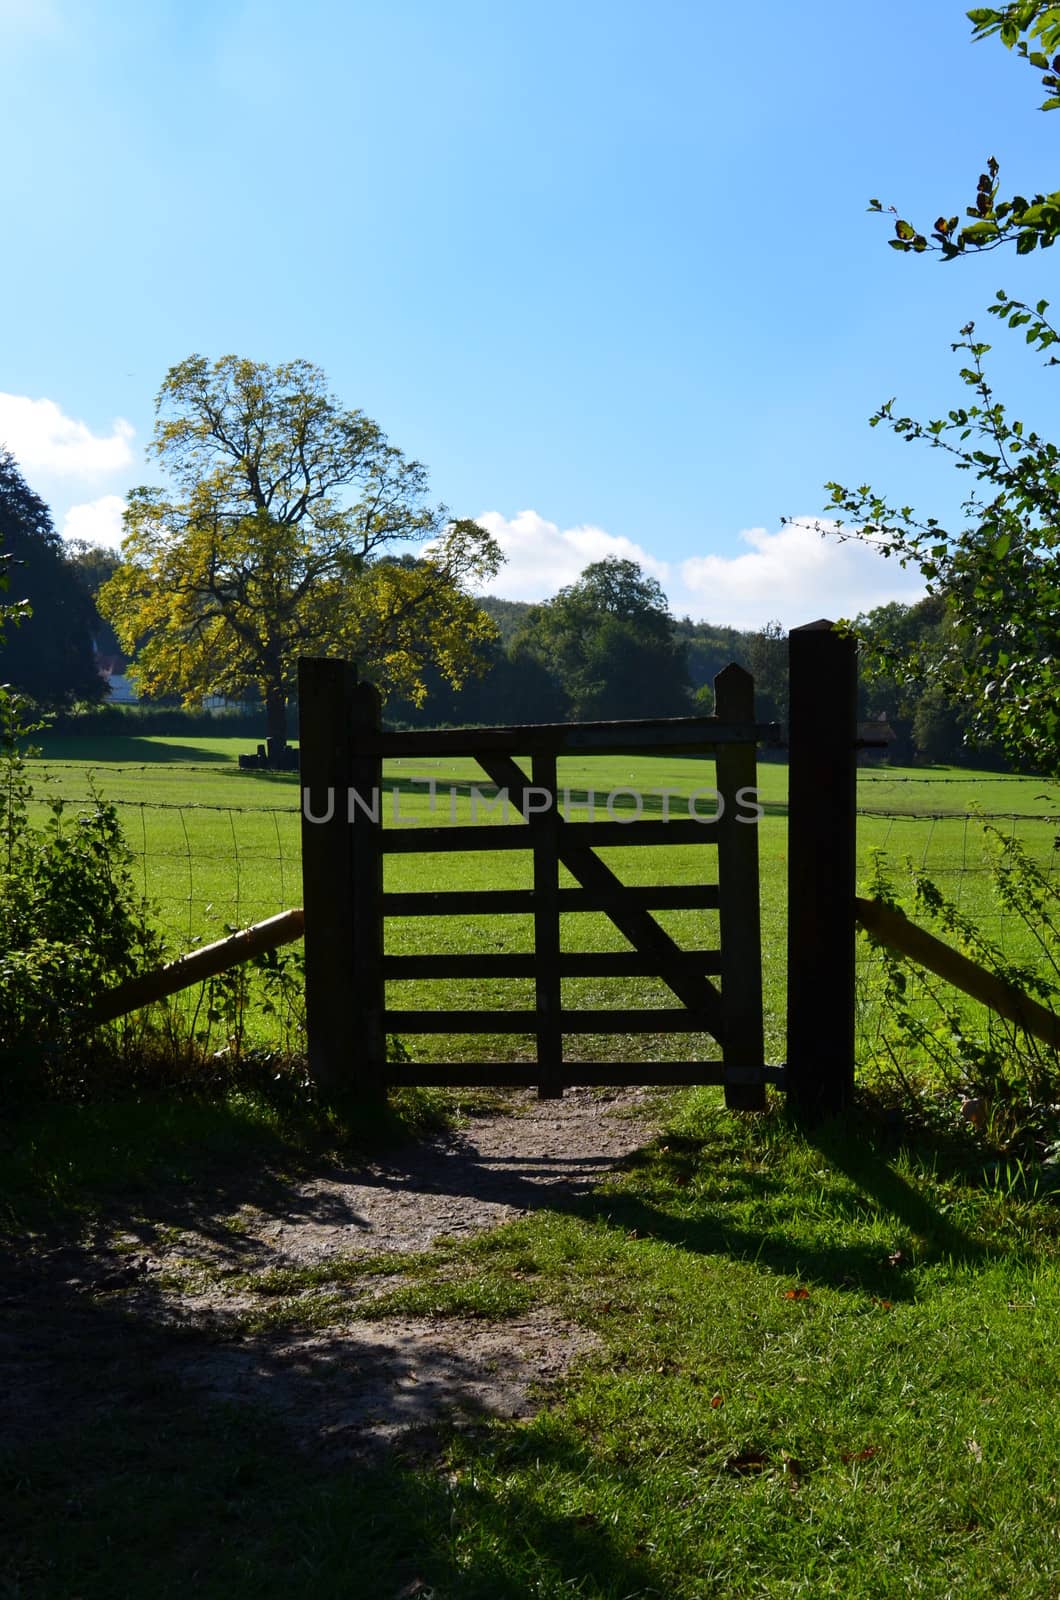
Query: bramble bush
[
  {"x": 71, "y": 921},
  {"x": 941, "y": 1051}
]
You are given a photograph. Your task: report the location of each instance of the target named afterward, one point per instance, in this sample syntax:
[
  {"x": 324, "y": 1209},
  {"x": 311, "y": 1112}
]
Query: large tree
[
  {"x": 93, "y": 566},
  {"x": 49, "y": 656},
  {"x": 288, "y": 528},
  {"x": 609, "y": 640}
]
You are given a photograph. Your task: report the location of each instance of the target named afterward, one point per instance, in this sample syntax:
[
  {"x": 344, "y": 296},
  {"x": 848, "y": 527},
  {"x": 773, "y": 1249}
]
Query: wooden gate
[{"x": 344, "y": 843}]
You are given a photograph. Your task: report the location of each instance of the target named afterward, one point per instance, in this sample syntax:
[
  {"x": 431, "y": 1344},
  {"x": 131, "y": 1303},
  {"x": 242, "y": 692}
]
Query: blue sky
[{"x": 605, "y": 267}]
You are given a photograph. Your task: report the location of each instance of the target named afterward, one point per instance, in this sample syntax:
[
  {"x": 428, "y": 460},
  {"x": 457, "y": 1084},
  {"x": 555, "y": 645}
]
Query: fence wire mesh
[
  {"x": 954, "y": 840},
  {"x": 208, "y": 867}
]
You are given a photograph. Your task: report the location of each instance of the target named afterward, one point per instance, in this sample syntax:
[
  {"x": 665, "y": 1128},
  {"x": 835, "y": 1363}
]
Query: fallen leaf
[
  {"x": 895, "y": 1259},
  {"x": 747, "y": 1461},
  {"x": 867, "y": 1454},
  {"x": 796, "y": 1294},
  {"x": 975, "y": 1449},
  {"x": 715, "y": 1401}
]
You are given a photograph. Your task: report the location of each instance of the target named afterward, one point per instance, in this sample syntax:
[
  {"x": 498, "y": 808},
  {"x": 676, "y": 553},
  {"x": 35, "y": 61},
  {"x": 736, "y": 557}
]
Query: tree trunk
[{"x": 276, "y": 725}]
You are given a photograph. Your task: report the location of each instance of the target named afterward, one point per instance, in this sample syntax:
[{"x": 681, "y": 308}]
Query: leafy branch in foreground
[
  {"x": 992, "y": 222},
  {"x": 1033, "y": 29},
  {"x": 999, "y": 576}
]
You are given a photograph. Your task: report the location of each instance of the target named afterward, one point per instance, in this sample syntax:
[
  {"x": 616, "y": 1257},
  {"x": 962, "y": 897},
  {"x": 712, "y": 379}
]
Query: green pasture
[
  {"x": 216, "y": 847},
  {"x": 821, "y": 1365}
]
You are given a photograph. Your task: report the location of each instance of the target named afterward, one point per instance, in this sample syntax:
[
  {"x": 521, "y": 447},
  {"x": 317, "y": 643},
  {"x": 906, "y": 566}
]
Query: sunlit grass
[
  {"x": 216, "y": 847},
  {"x": 823, "y": 1366}
]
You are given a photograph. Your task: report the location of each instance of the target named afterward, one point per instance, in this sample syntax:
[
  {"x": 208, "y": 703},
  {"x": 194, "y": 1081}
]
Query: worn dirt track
[{"x": 159, "y": 1296}]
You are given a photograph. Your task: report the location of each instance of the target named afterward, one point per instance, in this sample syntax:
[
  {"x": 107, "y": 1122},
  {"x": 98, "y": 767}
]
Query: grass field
[
  {"x": 216, "y": 846},
  {"x": 827, "y": 1363},
  {"x": 826, "y": 1367}
]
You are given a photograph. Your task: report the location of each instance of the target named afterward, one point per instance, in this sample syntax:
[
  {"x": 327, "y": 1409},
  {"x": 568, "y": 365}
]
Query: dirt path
[{"x": 164, "y": 1298}]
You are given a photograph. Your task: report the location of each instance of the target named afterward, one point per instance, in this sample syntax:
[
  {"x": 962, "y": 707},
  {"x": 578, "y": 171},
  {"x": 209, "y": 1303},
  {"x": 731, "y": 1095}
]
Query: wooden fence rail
[
  {"x": 892, "y": 928},
  {"x": 197, "y": 966}
]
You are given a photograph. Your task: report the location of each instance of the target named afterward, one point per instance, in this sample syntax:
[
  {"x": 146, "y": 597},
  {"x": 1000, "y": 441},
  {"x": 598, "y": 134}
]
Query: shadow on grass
[
  {"x": 116, "y": 1431},
  {"x": 157, "y": 1485},
  {"x": 709, "y": 1226},
  {"x": 692, "y": 1193},
  {"x": 124, "y": 750}
]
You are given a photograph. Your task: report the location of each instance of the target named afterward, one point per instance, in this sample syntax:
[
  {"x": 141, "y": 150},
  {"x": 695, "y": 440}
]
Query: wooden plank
[
  {"x": 660, "y": 1019},
  {"x": 367, "y": 995},
  {"x": 632, "y": 921},
  {"x": 508, "y": 1074},
  {"x": 520, "y": 902},
  {"x": 741, "y": 936},
  {"x": 570, "y": 964},
  {"x": 890, "y": 927},
  {"x": 822, "y": 817},
  {"x": 325, "y": 692},
  {"x": 547, "y": 993},
  {"x": 520, "y": 836},
  {"x": 196, "y": 967},
  {"x": 674, "y": 735}
]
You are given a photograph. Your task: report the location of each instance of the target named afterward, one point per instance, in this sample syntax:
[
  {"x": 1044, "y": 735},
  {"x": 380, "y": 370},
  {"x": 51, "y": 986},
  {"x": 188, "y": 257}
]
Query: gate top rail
[{"x": 674, "y": 734}]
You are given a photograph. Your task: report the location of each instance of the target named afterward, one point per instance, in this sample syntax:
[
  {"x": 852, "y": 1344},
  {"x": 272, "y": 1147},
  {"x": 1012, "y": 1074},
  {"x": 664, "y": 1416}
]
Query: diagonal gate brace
[{"x": 635, "y": 923}]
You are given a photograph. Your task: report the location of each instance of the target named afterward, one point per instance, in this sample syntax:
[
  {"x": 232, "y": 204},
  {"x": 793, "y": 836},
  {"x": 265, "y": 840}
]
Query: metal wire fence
[
  {"x": 957, "y": 847},
  {"x": 207, "y": 868}
]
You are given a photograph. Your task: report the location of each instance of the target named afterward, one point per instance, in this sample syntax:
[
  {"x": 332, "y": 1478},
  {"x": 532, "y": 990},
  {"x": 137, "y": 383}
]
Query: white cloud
[
  {"x": 792, "y": 576},
  {"x": 795, "y": 576},
  {"x": 44, "y": 440},
  {"x": 541, "y": 557},
  {"x": 96, "y": 521}
]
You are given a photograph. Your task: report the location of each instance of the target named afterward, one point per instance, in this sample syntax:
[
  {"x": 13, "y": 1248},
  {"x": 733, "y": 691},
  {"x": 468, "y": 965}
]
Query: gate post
[
  {"x": 743, "y": 1041},
  {"x": 368, "y": 995},
  {"x": 341, "y": 883},
  {"x": 822, "y": 812},
  {"x": 548, "y": 990}
]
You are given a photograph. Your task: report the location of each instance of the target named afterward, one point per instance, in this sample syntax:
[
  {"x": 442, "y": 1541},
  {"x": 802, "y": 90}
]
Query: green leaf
[
  {"x": 904, "y": 230},
  {"x": 979, "y": 232}
]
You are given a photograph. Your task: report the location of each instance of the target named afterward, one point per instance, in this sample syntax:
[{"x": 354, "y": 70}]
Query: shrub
[
  {"x": 70, "y": 921},
  {"x": 935, "y": 1046}
]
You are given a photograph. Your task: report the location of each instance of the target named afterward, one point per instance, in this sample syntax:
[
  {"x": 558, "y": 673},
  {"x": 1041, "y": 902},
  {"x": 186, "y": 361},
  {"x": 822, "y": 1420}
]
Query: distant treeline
[
  {"x": 605, "y": 647},
  {"x": 523, "y": 682}
]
